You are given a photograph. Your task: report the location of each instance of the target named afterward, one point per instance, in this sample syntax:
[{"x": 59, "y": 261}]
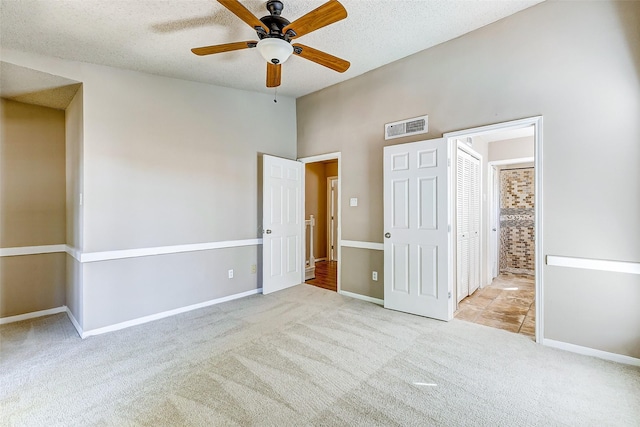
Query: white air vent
[{"x": 414, "y": 126}]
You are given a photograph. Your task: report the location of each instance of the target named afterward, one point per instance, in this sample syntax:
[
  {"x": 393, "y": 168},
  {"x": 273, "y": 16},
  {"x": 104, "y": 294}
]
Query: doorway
[
  {"x": 322, "y": 219},
  {"x": 507, "y": 296}
]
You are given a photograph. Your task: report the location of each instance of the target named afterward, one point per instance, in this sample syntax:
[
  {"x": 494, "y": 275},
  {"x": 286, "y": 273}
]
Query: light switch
[{"x": 353, "y": 201}]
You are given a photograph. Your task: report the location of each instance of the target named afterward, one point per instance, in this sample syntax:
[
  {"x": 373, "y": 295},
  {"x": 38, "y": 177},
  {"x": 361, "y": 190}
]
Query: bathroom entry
[
  {"x": 506, "y": 298},
  {"x": 321, "y": 217}
]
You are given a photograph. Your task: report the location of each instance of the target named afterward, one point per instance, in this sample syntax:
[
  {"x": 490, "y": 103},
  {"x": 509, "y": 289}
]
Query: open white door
[
  {"x": 416, "y": 221},
  {"x": 281, "y": 224}
]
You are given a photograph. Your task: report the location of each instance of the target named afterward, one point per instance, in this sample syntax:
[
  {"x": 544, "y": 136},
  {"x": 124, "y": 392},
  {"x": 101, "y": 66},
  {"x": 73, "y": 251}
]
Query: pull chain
[{"x": 275, "y": 95}]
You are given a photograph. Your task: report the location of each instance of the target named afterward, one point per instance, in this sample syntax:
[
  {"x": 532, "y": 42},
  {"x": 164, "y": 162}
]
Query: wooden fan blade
[
  {"x": 330, "y": 12},
  {"x": 243, "y": 13},
  {"x": 322, "y": 58},
  {"x": 274, "y": 74},
  {"x": 219, "y": 48}
]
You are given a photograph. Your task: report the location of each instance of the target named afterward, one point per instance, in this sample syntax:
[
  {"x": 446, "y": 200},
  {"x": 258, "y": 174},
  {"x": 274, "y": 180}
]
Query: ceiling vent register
[{"x": 407, "y": 127}]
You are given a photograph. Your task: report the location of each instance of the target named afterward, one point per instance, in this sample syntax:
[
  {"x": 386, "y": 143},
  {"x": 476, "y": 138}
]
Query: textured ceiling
[
  {"x": 155, "y": 36},
  {"x": 34, "y": 87}
]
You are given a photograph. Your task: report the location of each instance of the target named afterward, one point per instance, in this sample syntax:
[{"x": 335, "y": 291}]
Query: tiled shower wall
[{"x": 517, "y": 245}]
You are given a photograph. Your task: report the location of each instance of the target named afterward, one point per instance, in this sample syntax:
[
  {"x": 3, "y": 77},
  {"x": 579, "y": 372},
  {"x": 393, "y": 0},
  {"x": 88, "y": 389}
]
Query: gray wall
[
  {"x": 32, "y": 207},
  {"x": 508, "y": 149},
  {"x": 575, "y": 63},
  {"x": 163, "y": 162},
  {"x": 73, "y": 142},
  {"x": 169, "y": 162}
]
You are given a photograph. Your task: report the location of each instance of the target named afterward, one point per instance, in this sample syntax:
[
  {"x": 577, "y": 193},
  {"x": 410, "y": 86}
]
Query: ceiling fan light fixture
[{"x": 275, "y": 50}]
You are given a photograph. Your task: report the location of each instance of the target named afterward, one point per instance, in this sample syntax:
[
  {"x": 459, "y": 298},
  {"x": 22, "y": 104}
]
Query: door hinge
[
  {"x": 449, "y": 228},
  {"x": 449, "y": 294},
  {"x": 449, "y": 162}
]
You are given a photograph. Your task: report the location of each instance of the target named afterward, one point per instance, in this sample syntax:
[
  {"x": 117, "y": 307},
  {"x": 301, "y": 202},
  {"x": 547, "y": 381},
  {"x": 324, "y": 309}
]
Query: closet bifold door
[{"x": 468, "y": 224}]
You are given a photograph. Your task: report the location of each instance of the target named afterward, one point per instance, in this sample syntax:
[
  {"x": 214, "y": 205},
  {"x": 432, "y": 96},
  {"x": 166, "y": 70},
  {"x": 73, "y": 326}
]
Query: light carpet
[{"x": 303, "y": 356}]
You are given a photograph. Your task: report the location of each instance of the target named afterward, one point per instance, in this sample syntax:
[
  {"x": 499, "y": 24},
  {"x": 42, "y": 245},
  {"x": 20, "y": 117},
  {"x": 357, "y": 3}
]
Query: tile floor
[{"x": 508, "y": 303}]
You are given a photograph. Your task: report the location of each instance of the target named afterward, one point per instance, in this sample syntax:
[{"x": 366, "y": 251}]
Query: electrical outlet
[
  {"x": 374, "y": 276},
  {"x": 230, "y": 274},
  {"x": 254, "y": 269}
]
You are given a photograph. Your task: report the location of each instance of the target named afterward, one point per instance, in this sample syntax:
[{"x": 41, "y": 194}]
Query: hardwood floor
[
  {"x": 508, "y": 303},
  {"x": 326, "y": 275}
]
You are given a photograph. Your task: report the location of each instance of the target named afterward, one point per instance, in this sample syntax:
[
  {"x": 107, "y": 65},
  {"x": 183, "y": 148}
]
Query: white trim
[
  {"x": 362, "y": 245},
  {"x": 32, "y": 315},
  {"x": 162, "y": 315},
  {"x": 587, "y": 351},
  {"x": 125, "y": 253},
  {"x": 483, "y": 130},
  {"x": 321, "y": 158},
  {"x": 536, "y": 122},
  {"x": 163, "y": 250},
  {"x": 362, "y": 297},
  {"x": 74, "y": 252},
  {"x": 594, "y": 264},
  {"x": 337, "y": 155},
  {"x": 511, "y": 161},
  {"x": 74, "y": 322},
  {"x": 32, "y": 250}
]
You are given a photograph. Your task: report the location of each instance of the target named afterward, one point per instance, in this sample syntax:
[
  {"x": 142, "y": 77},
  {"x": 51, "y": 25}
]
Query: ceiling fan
[{"x": 275, "y": 34}]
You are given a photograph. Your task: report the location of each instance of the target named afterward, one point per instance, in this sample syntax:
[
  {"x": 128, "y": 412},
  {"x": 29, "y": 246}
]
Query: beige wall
[
  {"x": 32, "y": 175},
  {"x": 31, "y": 283},
  {"x": 32, "y": 211},
  {"x": 575, "y": 63},
  {"x": 358, "y": 280},
  {"x": 315, "y": 201},
  {"x": 316, "y": 175}
]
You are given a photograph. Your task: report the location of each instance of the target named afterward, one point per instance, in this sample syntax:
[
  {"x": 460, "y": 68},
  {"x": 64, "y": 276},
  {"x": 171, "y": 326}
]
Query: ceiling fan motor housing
[
  {"x": 274, "y": 22},
  {"x": 275, "y": 7}
]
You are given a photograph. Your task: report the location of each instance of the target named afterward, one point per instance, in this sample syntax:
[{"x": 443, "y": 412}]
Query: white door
[
  {"x": 467, "y": 223},
  {"x": 281, "y": 224},
  {"x": 416, "y": 244},
  {"x": 474, "y": 230},
  {"x": 462, "y": 224}
]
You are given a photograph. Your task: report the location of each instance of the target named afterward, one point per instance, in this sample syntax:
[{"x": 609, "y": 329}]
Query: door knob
[
  {"x": 268, "y": 231},
  {"x": 387, "y": 235}
]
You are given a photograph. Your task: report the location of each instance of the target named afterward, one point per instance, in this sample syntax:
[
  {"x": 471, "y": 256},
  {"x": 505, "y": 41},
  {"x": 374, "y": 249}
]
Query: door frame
[
  {"x": 493, "y": 201},
  {"x": 321, "y": 158},
  {"x": 332, "y": 255},
  {"x": 536, "y": 122}
]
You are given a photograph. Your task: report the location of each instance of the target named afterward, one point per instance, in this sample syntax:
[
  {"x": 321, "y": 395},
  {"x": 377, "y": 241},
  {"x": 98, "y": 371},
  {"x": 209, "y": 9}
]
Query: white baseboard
[
  {"x": 362, "y": 297},
  {"x": 362, "y": 245},
  {"x": 162, "y": 315},
  {"x": 74, "y": 322},
  {"x": 587, "y": 351},
  {"x": 32, "y": 315}
]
